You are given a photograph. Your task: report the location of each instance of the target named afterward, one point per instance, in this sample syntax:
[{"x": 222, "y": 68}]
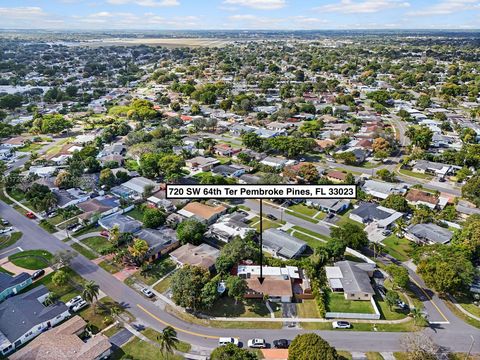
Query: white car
[
  {"x": 6, "y": 230},
  {"x": 147, "y": 292},
  {"x": 341, "y": 325},
  {"x": 257, "y": 343},
  {"x": 79, "y": 306},
  {"x": 73, "y": 301},
  {"x": 227, "y": 340}
]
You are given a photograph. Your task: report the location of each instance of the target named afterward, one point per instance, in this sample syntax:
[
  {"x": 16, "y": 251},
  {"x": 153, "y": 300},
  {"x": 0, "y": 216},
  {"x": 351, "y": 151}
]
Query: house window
[
  {"x": 352, "y": 294},
  {"x": 18, "y": 343},
  {"x": 366, "y": 295}
]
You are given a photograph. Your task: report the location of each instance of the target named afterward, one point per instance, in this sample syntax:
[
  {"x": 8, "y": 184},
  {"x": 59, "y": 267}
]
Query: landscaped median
[
  {"x": 31, "y": 259},
  {"x": 9, "y": 239}
]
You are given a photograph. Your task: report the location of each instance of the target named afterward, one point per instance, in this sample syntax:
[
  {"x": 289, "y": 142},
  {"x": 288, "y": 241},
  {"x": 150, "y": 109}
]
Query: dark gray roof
[
  {"x": 7, "y": 281},
  {"x": 224, "y": 169},
  {"x": 157, "y": 239},
  {"x": 431, "y": 233},
  {"x": 124, "y": 223},
  {"x": 250, "y": 179},
  {"x": 355, "y": 276},
  {"x": 370, "y": 211},
  {"x": 282, "y": 243},
  {"x": 21, "y": 313}
]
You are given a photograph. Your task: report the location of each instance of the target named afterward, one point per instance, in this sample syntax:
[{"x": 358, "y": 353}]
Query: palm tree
[
  {"x": 417, "y": 315},
  {"x": 114, "y": 234},
  {"x": 115, "y": 311},
  {"x": 168, "y": 340},
  {"x": 90, "y": 291},
  {"x": 50, "y": 299}
]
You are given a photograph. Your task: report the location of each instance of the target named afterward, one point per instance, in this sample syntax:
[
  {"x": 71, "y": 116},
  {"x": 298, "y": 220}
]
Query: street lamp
[{"x": 470, "y": 349}]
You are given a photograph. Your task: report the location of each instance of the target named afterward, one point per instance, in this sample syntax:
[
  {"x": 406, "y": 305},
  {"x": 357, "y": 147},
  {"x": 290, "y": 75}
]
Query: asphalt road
[{"x": 455, "y": 336}]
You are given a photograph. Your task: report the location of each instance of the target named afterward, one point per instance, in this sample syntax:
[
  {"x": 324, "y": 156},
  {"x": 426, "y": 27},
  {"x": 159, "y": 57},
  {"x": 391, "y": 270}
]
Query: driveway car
[
  {"x": 271, "y": 217},
  {"x": 82, "y": 304},
  {"x": 37, "y": 274},
  {"x": 30, "y": 215},
  {"x": 147, "y": 292},
  {"x": 227, "y": 340},
  {"x": 74, "y": 301},
  {"x": 257, "y": 343},
  {"x": 281, "y": 343},
  {"x": 341, "y": 325}
]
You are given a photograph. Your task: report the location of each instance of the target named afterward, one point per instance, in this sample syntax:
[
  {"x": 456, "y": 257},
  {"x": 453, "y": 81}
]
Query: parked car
[
  {"x": 4, "y": 222},
  {"x": 281, "y": 343},
  {"x": 257, "y": 343},
  {"x": 386, "y": 232},
  {"x": 105, "y": 233},
  {"x": 341, "y": 325},
  {"x": 227, "y": 340},
  {"x": 6, "y": 230},
  {"x": 82, "y": 304},
  {"x": 52, "y": 214},
  {"x": 330, "y": 215},
  {"x": 271, "y": 217},
  {"x": 74, "y": 301},
  {"x": 441, "y": 180},
  {"x": 402, "y": 305},
  {"x": 148, "y": 293},
  {"x": 37, "y": 274},
  {"x": 30, "y": 215}
]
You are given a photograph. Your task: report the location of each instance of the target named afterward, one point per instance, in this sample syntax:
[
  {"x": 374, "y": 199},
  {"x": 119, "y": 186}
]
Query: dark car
[
  {"x": 271, "y": 217},
  {"x": 37, "y": 274},
  {"x": 281, "y": 343}
]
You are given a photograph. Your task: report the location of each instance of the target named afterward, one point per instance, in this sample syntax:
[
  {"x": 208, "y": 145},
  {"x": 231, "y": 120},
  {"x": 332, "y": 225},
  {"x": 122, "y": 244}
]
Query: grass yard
[
  {"x": 32, "y": 259},
  {"x": 31, "y": 147},
  {"x": 153, "y": 335},
  {"x": 310, "y": 232},
  {"x": 87, "y": 229},
  {"x": 226, "y": 307},
  {"x": 415, "y": 174},
  {"x": 461, "y": 315},
  {"x": 47, "y": 226},
  {"x": 113, "y": 330},
  {"x": 344, "y": 355},
  {"x": 90, "y": 255},
  {"x": 374, "y": 356},
  {"x": 163, "y": 285},
  {"x": 398, "y": 248},
  {"x": 408, "y": 326},
  {"x": 110, "y": 267},
  {"x": 97, "y": 243},
  {"x": 337, "y": 303},
  {"x": 344, "y": 219},
  {"x": 96, "y": 314},
  {"x": 395, "y": 314},
  {"x": 141, "y": 350},
  {"x": 467, "y": 303},
  {"x": 135, "y": 213},
  {"x": 311, "y": 241},
  {"x": 159, "y": 268},
  {"x": 10, "y": 239},
  {"x": 303, "y": 210},
  {"x": 267, "y": 224},
  {"x": 308, "y": 309}
]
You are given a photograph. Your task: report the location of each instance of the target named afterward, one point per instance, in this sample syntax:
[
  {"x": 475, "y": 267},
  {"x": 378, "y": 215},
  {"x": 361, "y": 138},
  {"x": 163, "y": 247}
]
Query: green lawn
[
  {"x": 344, "y": 219},
  {"x": 10, "y": 239},
  {"x": 311, "y": 241},
  {"x": 47, "y": 226},
  {"x": 153, "y": 335},
  {"x": 112, "y": 268},
  {"x": 310, "y": 232},
  {"x": 32, "y": 147},
  {"x": 32, "y": 259},
  {"x": 158, "y": 269},
  {"x": 338, "y": 303},
  {"x": 135, "y": 213},
  {"x": 97, "y": 243},
  {"x": 303, "y": 209},
  {"x": 267, "y": 224},
  {"x": 163, "y": 285},
  {"x": 402, "y": 327},
  {"x": 467, "y": 303},
  {"x": 85, "y": 252},
  {"x": 398, "y": 248},
  {"x": 141, "y": 350},
  {"x": 415, "y": 174},
  {"x": 394, "y": 314},
  {"x": 226, "y": 307},
  {"x": 308, "y": 309},
  {"x": 88, "y": 229}
]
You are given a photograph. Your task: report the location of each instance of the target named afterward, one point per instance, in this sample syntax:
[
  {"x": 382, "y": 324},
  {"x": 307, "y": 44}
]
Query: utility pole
[{"x": 470, "y": 349}]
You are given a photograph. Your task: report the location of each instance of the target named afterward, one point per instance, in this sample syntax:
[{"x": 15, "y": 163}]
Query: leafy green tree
[
  {"x": 391, "y": 298},
  {"x": 311, "y": 347},
  {"x": 421, "y": 136},
  {"x": 396, "y": 202},
  {"x": 54, "y": 123},
  {"x": 138, "y": 249},
  {"x": 107, "y": 178},
  {"x": 170, "y": 166},
  {"x": 350, "y": 234},
  {"x": 191, "y": 231},
  {"x": 386, "y": 175},
  {"x": 468, "y": 237},
  {"x": 232, "y": 352},
  {"x": 399, "y": 275},
  {"x": 60, "y": 278},
  {"x": 187, "y": 285},
  {"x": 471, "y": 190},
  {"x": 237, "y": 287},
  {"x": 252, "y": 141},
  {"x": 153, "y": 218},
  {"x": 234, "y": 251},
  {"x": 309, "y": 173}
]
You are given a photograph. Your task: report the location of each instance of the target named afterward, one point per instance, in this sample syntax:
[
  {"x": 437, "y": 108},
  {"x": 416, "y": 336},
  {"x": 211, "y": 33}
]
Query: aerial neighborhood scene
[{"x": 105, "y": 105}]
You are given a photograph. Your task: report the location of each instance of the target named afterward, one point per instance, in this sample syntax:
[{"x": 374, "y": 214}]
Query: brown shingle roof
[
  {"x": 272, "y": 286},
  {"x": 415, "y": 195},
  {"x": 204, "y": 211}
]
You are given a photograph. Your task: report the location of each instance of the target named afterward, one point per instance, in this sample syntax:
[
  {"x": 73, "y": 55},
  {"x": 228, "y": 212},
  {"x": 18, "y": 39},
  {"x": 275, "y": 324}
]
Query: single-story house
[
  {"x": 229, "y": 227},
  {"x": 249, "y": 179},
  {"x": 69, "y": 197},
  {"x": 24, "y": 316},
  {"x": 64, "y": 342},
  {"x": 334, "y": 206},
  {"x": 11, "y": 285},
  {"x": 228, "y": 170},
  {"x": 202, "y": 255},
  {"x": 139, "y": 184},
  {"x": 336, "y": 176},
  {"x": 381, "y": 189},
  {"x": 429, "y": 167},
  {"x": 281, "y": 244},
  {"x": 369, "y": 212},
  {"x": 202, "y": 212},
  {"x": 281, "y": 284},
  {"x": 351, "y": 278},
  {"x": 160, "y": 241},
  {"x": 124, "y": 223},
  {"x": 202, "y": 163},
  {"x": 101, "y": 206},
  {"x": 274, "y": 162},
  {"x": 15, "y": 142},
  {"x": 42, "y": 171},
  {"x": 419, "y": 197},
  {"x": 428, "y": 234}
]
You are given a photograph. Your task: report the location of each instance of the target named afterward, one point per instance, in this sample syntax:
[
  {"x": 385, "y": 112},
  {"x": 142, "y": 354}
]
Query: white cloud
[
  {"x": 146, "y": 3},
  {"x": 367, "y": 6},
  {"x": 258, "y": 4},
  {"x": 21, "y": 12},
  {"x": 249, "y": 21},
  {"x": 447, "y": 7}
]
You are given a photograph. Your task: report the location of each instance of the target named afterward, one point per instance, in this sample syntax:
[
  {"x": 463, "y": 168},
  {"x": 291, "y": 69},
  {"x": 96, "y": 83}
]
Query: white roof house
[{"x": 138, "y": 184}]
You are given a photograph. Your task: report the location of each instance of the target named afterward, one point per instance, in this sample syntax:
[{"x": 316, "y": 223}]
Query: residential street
[{"x": 455, "y": 335}]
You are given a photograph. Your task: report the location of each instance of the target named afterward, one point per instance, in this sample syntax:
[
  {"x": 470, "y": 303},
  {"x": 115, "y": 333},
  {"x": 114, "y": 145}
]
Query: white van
[{"x": 227, "y": 340}]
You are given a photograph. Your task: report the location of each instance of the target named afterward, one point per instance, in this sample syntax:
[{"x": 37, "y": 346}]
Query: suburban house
[
  {"x": 369, "y": 212},
  {"x": 228, "y": 170},
  {"x": 202, "y": 255},
  {"x": 418, "y": 197},
  {"x": 23, "y": 317},
  {"x": 11, "y": 285},
  {"x": 202, "y": 212},
  {"x": 351, "y": 278},
  {"x": 428, "y": 234},
  {"x": 202, "y": 163},
  {"x": 249, "y": 179},
  {"x": 15, "y": 142},
  {"x": 274, "y": 162},
  {"x": 333, "y": 206},
  {"x": 434, "y": 168},
  {"x": 336, "y": 176},
  {"x": 138, "y": 186},
  {"x": 230, "y": 226},
  {"x": 100, "y": 206},
  {"x": 281, "y": 284},
  {"x": 64, "y": 342},
  {"x": 69, "y": 197},
  {"x": 124, "y": 223},
  {"x": 381, "y": 189},
  {"x": 160, "y": 241},
  {"x": 281, "y": 244}
]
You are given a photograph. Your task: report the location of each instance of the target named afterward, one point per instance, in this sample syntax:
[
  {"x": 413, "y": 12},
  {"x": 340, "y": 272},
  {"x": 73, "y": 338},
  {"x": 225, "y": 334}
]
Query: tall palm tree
[
  {"x": 115, "y": 311},
  {"x": 114, "y": 234},
  {"x": 90, "y": 291},
  {"x": 417, "y": 315},
  {"x": 168, "y": 340}
]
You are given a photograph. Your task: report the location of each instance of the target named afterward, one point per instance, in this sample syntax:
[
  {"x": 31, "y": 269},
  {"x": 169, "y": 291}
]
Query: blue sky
[{"x": 240, "y": 14}]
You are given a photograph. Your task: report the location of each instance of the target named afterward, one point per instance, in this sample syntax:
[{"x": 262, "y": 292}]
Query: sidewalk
[
  {"x": 40, "y": 217},
  {"x": 459, "y": 307}
]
